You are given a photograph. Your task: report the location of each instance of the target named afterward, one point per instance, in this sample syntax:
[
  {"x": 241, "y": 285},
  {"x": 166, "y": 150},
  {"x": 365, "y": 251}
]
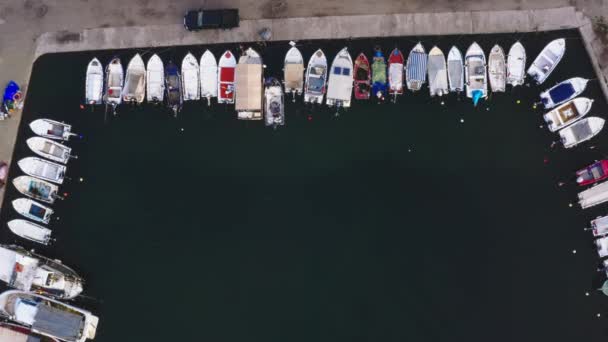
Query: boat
[
  {"x": 437, "y": 69},
  {"x": 94, "y": 82},
  {"x": 567, "y": 113},
  {"x": 208, "y": 76},
  {"x": 340, "y": 82},
  {"x": 581, "y": 131},
  {"x": 36, "y": 188},
  {"x": 134, "y": 89},
  {"x": 47, "y": 316},
  {"x": 547, "y": 60},
  {"x": 30, "y": 231},
  {"x": 10, "y": 332},
  {"x": 593, "y": 196},
  {"x": 52, "y": 129},
  {"x": 31, "y": 272},
  {"x": 563, "y": 92},
  {"x": 155, "y": 80},
  {"x": 455, "y": 70},
  {"x": 362, "y": 78},
  {"x": 49, "y": 149},
  {"x": 593, "y": 173},
  {"x": 274, "y": 107},
  {"x": 293, "y": 72},
  {"x": 395, "y": 73},
  {"x": 248, "y": 86},
  {"x": 475, "y": 73},
  {"x": 32, "y": 210},
  {"x": 415, "y": 70},
  {"x": 114, "y": 83},
  {"x": 227, "y": 67},
  {"x": 379, "y": 75},
  {"x": 12, "y": 99},
  {"x": 316, "y": 78},
  {"x": 602, "y": 247},
  {"x": 599, "y": 226},
  {"x": 190, "y": 78},
  {"x": 43, "y": 169},
  {"x": 497, "y": 69},
  {"x": 173, "y": 85},
  {"x": 516, "y": 65}
]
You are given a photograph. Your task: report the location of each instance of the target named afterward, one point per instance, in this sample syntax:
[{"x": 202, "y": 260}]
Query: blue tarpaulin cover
[{"x": 561, "y": 92}]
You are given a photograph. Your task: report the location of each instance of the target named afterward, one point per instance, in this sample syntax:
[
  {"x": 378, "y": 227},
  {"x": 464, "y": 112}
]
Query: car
[{"x": 200, "y": 19}]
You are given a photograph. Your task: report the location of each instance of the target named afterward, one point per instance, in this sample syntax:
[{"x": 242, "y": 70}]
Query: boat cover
[
  {"x": 561, "y": 92},
  {"x": 316, "y": 84},
  {"x": 16, "y": 270},
  {"x": 455, "y": 71},
  {"x": 50, "y": 320},
  {"x": 395, "y": 71},
  {"x": 600, "y": 226},
  {"x": 416, "y": 68},
  {"x": 39, "y": 189},
  {"x": 294, "y": 76},
  {"x": 248, "y": 87},
  {"x": 581, "y": 131},
  {"x": 48, "y": 148}
]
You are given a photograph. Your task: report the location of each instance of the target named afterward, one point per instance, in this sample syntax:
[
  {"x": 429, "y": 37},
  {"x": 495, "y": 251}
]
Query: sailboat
[
  {"x": 316, "y": 78},
  {"x": 248, "y": 85},
  {"x": 36, "y": 188},
  {"x": 155, "y": 80},
  {"x": 293, "y": 72},
  {"x": 455, "y": 70},
  {"x": 43, "y": 169},
  {"x": 208, "y": 76},
  {"x": 379, "y": 75},
  {"x": 94, "y": 83},
  {"x": 395, "y": 73},
  {"x": 362, "y": 77},
  {"x": 49, "y": 149},
  {"x": 30, "y": 231},
  {"x": 415, "y": 70},
  {"x": 52, "y": 129},
  {"x": 190, "y": 78},
  {"x": 114, "y": 83},
  {"x": 516, "y": 65},
  {"x": 340, "y": 83},
  {"x": 547, "y": 60},
  {"x": 226, "y": 76},
  {"x": 274, "y": 107},
  {"x": 134, "y": 90},
  {"x": 438, "y": 75},
  {"x": 475, "y": 73},
  {"x": 32, "y": 210},
  {"x": 497, "y": 69},
  {"x": 173, "y": 85}
]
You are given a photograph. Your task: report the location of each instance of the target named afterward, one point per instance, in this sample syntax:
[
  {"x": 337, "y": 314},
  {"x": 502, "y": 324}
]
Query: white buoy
[
  {"x": 598, "y": 314},
  {"x": 182, "y": 129},
  {"x": 587, "y": 294},
  {"x": 574, "y": 251},
  {"x": 570, "y": 205},
  {"x": 461, "y": 120},
  {"x": 81, "y": 179}
]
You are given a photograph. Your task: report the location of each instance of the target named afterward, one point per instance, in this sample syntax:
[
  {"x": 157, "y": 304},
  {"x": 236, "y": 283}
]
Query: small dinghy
[
  {"x": 475, "y": 73},
  {"x": 155, "y": 80},
  {"x": 562, "y": 92},
  {"x": 114, "y": 83},
  {"x": 173, "y": 85},
  {"x": 316, "y": 78},
  {"x": 395, "y": 73},
  {"x": 33, "y": 210},
  {"x": 593, "y": 173},
  {"x": 134, "y": 90},
  {"x": 49, "y": 149},
  {"x": 248, "y": 86},
  {"x": 362, "y": 77},
  {"x": 36, "y": 188},
  {"x": 379, "y": 75},
  {"x": 581, "y": 131},
  {"x": 190, "y": 79},
  {"x": 438, "y": 77},
  {"x": 340, "y": 83},
  {"x": 293, "y": 72},
  {"x": 208, "y": 76},
  {"x": 273, "y": 103},
  {"x": 415, "y": 70},
  {"x": 52, "y": 129},
  {"x": 455, "y": 70},
  {"x": 547, "y": 60},
  {"x": 516, "y": 65},
  {"x": 43, "y": 169},
  {"x": 94, "y": 83},
  {"x": 226, "y": 76},
  {"x": 12, "y": 99},
  {"x": 567, "y": 113},
  {"x": 30, "y": 231},
  {"x": 497, "y": 69}
]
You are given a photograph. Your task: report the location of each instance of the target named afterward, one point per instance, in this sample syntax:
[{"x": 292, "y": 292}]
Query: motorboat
[
  {"x": 437, "y": 69},
  {"x": 12, "y": 99},
  {"x": 173, "y": 85},
  {"x": 94, "y": 82},
  {"x": 27, "y": 271},
  {"x": 208, "y": 76},
  {"x": 48, "y": 316},
  {"x": 134, "y": 89},
  {"x": 293, "y": 72},
  {"x": 379, "y": 83},
  {"x": 599, "y": 226},
  {"x": 415, "y": 70},
  {"x": 43, "y": 169},
  {"x": 602, "y": 247},
  {"x": 52, "y": 129},
  {"x": 50, "y": 149},
  {"x": 190, "y": 78},
  {"x": 593, "y": 196},
  {"x": 30, "y": 231},
  {"x": 363, "y": 77},
  {"x": 395, "y": 73},
  {"x": 455, "y": 70},
  {"x": 10, "y": 332},
  {"x": 497, "y": 69},
  {"x": 114, "y": 83},
  {"x": 581, "y": 131},
  {"x": 475, "y": 73},
  {"x": 36, "y": 188},
  {"x": 593, "y": 173},
  {"x": 516, "y": 64},
  {"x": 274, "y": 107},
  {"x": 226, "y": 77},
  {"x": 248, "y": 85},
  {"x": 32, "y": 210},
  {"x": 547, "y": 60},
  {"x": 340, "y": 83},
  {"x": 567, "y": 113},
  {"x": 563, "y": 91},
  {"x": 155, "y": 80},
  {"x": 316, "y": 78}
]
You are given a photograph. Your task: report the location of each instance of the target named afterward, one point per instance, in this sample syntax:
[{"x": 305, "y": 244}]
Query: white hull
[
  {"x": 134, "y": 89},
  {"x": 475, "y": 71},
  {"x": 51, "y": 129},
  {"x": 30, "y": 231},
  {"x": 49, "y": 149},
  {"x": 340, "y": 84},
  {"x": 226, "y": 78},
  {"x": 94, "y": 83},
  {"x": 36, "y": 188},
  {"x": 248, "y": 85},
  {"x": 274, "y": 105},
  {"x": 547, "y": 60},
  {"x": 155, "y": 80},
  {"x": 568, "y": 113},
  {"x": 577, "y": 85},
  {"x": 42, "y": 169},
  {"x": 208, "y": 76},
  {"x": 190, "y": 78},
  {"x": 497, "y": 69},
  {"x": 316, "y": 78},
  {"x": 293, "y": 72},
  {"x": 516, "y": 65},
  {"x": 32, "y": 210},
  {"x": 581, "y": 131},
  {"x": 437, "y": 69},
  {"x": 114, "y": 83},
  {"x": 593, "y": 196},
  {"x": 455, "y": 70}
]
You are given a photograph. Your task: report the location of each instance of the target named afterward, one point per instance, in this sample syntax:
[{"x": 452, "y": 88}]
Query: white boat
[
  {"x": 114, "y": 83},
  {"x": 395, "y": 73},
  {"x": 475, "y": 73},
  {"x": 28, "y": 271},
  {"x": 567, "y": 113},
  {"x": 50, "y": 149},
  {"x": 208, "y": 76},
  {"x": 36, "y": 188},
  {"x": 563, "y": 91},
  {"x": 497, "y": 69},
  {"x": 43, "y": 169},
  {"x": 581, "y": 131},
  {"x": 316, "y": 78},
  {"x": 593, "y": 196},
  {"x": 32, "y": 210},
  {"x": 516, "y": 65},
  {"x": 48, "y": 317},
  {"x": 134, "y": 90},
  {"x": 30, "y": 231},
  {"x": 94, "y": 82},
  {"x": 455, "y": 70},
  {"x": 190, "y": 78},
  {"x": 340, "y": 83},
  {"x": 437, "y": 69},
  {"x": 415, "y": 69},
  {"x": 547, "y": 60},
  {"x": 52, "y": 129},
  {"x": 599, "y": 226},
  {"x": 248, "y": 86},
  {"x": 225, "y": 78},
  {"x": 274, "y": 106},
  {"x": 293, "y": 72},
  {"x": 602, "y": 246},
  {"x": 155, "y": 80}
]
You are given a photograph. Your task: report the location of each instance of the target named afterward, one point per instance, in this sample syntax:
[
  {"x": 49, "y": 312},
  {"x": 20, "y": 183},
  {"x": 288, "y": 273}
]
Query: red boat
[
  {"x": 225, "y": 82},
  {"x": 363, "y": 78},
  {"x": 593, "y": 173},
  {"x": 395, "y": 73}
]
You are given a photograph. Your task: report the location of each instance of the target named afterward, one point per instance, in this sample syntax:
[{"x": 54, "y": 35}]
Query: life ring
[{"x": 17, "y": 96}]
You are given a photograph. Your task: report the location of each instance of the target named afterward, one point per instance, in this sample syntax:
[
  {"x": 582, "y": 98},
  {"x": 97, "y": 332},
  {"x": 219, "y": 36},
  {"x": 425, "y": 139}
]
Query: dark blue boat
[{"x": 173, "y": 84}]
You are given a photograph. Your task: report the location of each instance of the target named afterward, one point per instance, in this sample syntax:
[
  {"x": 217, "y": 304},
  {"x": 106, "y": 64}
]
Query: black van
[{"x": 211, "y": 19}]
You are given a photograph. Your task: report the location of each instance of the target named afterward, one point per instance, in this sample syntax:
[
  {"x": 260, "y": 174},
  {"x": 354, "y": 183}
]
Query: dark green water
[{"x": 388, "y": 223}]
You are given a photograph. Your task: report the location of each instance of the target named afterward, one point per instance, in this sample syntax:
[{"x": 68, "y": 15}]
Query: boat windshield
[
  {"x": 37, "y": 211},
  {"x": 317, "y": 70},
  {"x": 39, "y": 189},
  {"x": 56, "y": 130}
]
